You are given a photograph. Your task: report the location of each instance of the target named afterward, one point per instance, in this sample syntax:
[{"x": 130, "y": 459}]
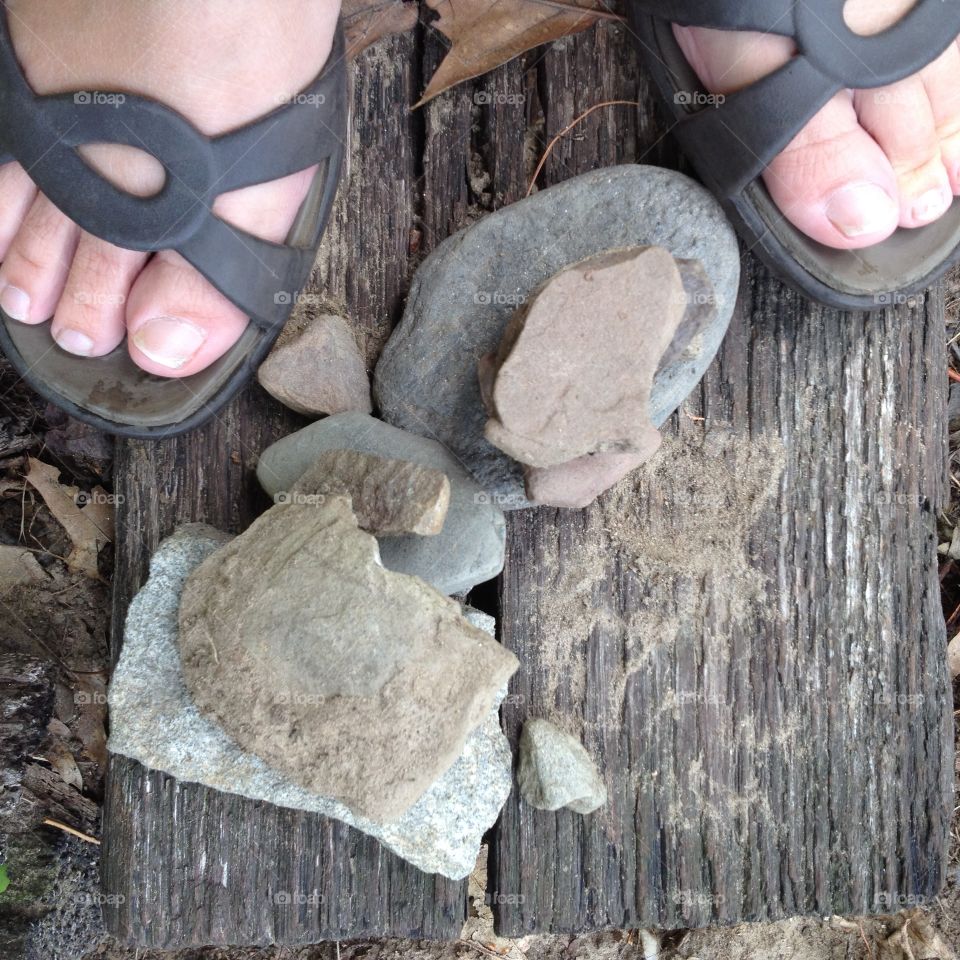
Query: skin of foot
[
  {"x": 871, "y": 160},
  {"x": 222, "y": 64}
]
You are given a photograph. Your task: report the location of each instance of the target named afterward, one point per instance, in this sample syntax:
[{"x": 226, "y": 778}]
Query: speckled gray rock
[
  {"x": 154, "y": 721},
  {"x": 470, "y": 548},
  {"x": 556, "y": 771},
  {"x": 466, "y": 291}
]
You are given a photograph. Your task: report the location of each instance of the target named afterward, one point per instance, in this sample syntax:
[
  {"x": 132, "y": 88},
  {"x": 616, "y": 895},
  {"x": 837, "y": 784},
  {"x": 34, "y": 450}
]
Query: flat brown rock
[
  {"x": 316, "y": 368},
  {"x": 388, "y": 496},
  {"x": 579, "y": 482},
  {"x": 576, "y": 365},
  {"x": 357, "y": 683}
]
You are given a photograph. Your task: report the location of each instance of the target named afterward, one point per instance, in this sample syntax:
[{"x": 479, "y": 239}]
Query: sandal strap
[
  {"x": 261, "y": 278},
  {"x": 763, "y": 16},
  {"x": 743, "y": 132}
]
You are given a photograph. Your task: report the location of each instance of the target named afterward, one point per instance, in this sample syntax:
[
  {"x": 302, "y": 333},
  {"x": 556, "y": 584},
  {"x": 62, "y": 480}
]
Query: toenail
[
  {"x": 859, "y": 209},
  {"x": 73, "y": 341},
  {"x": 931, "y": 205},
  {"x": 169, "y": 341},
  {"x": 15, "y": 303}
]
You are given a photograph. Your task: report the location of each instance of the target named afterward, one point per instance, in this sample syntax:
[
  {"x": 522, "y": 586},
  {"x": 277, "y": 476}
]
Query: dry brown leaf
[
  {"x": 916, "y": 939},
  {"x": 91, "y": 699},
  {"x": 89, "y": 527},
  {"x": 58, "y": 729},
  {"x": 18, "y": 567},
  {"x": 62, "y": 762},
  {"x": 487, "y": 33},
  {"x": 367, "y": 21}
]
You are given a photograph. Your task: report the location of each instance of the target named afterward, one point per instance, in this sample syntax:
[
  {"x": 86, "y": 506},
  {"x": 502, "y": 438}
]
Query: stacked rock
[{"x": 568, "y": 390}]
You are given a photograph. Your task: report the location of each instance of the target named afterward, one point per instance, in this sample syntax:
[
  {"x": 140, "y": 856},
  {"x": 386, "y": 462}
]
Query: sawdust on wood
[{"x": 677, "y": 537}]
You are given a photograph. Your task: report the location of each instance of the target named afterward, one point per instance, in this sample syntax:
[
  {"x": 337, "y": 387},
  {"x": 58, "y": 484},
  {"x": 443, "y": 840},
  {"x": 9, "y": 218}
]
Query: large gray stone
[
  {"x": 466, "y": 291},
  {"x": 470, "y": 548},
  {"x": 154, "y": 721}
]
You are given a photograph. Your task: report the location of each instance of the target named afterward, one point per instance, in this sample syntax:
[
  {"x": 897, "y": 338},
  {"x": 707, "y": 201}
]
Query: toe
[
  {"x": 35, "y": 268},
  {"x": 17, "y": 193},
  {"x": 177, "y": 322},
  {"x": 941, "y": 80},
  {"x": 834, "y": 182},
  {"x": 90, "y": 317},
  {"x": 900, "y": 118}
]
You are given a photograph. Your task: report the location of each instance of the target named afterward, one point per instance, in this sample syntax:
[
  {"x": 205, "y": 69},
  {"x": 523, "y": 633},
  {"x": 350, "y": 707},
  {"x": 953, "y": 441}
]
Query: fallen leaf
[
  {"x": 89, "y": 526},
  {"x": 951, "y": 549},
  {"x": 89, "y": 727},
  {"x": 487, "y": 33},
  {"x": 58, "y": 728},
  {"x": 18, "y": 567},
  {"x": 916, "y": 938},
  {"x": 367, "y": 21},
  {"x": 62, "y": 762}
]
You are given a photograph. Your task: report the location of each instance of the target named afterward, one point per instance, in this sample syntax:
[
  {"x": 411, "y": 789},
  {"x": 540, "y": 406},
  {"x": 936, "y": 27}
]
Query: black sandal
[
  {"x": 730, "y": 144},
  {"x": 262, "y": 278}
]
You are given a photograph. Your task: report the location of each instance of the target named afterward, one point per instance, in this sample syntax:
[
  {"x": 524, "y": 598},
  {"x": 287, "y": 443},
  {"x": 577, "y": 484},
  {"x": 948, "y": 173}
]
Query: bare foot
[
  {"x": 871, "y": 160},
  {"x": 221, "y": 63}
]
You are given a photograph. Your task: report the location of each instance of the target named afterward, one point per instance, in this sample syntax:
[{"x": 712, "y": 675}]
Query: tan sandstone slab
[{"x": 355, "y": 682}]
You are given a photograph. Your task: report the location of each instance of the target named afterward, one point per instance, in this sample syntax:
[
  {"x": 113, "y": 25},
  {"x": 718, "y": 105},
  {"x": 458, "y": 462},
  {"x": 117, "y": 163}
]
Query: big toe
[
  {"x": 834, "y": 182},
  {"x": 177, "y": 323}
]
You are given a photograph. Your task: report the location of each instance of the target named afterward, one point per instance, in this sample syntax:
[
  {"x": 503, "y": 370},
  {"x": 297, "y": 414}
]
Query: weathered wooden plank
[
  {"x": 186, "y": 865},
  {"x": 773, "y": 744},
  {"x": 748, "y": 636},
  {"x": 196, "y": 866}
]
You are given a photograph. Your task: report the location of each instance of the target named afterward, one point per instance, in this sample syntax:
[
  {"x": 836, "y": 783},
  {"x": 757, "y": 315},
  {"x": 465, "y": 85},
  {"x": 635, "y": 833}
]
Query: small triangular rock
[
  {"x": 316, "y": 368},
  {"x": 388, "y": 496},
  {"x": 355, "y": 682},
  {"x": 556, "y": 771}
]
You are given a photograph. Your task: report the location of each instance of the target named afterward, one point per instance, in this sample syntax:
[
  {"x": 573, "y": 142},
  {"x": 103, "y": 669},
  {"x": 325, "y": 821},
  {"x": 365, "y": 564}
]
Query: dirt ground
[{"x": 61, "y": 616}]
